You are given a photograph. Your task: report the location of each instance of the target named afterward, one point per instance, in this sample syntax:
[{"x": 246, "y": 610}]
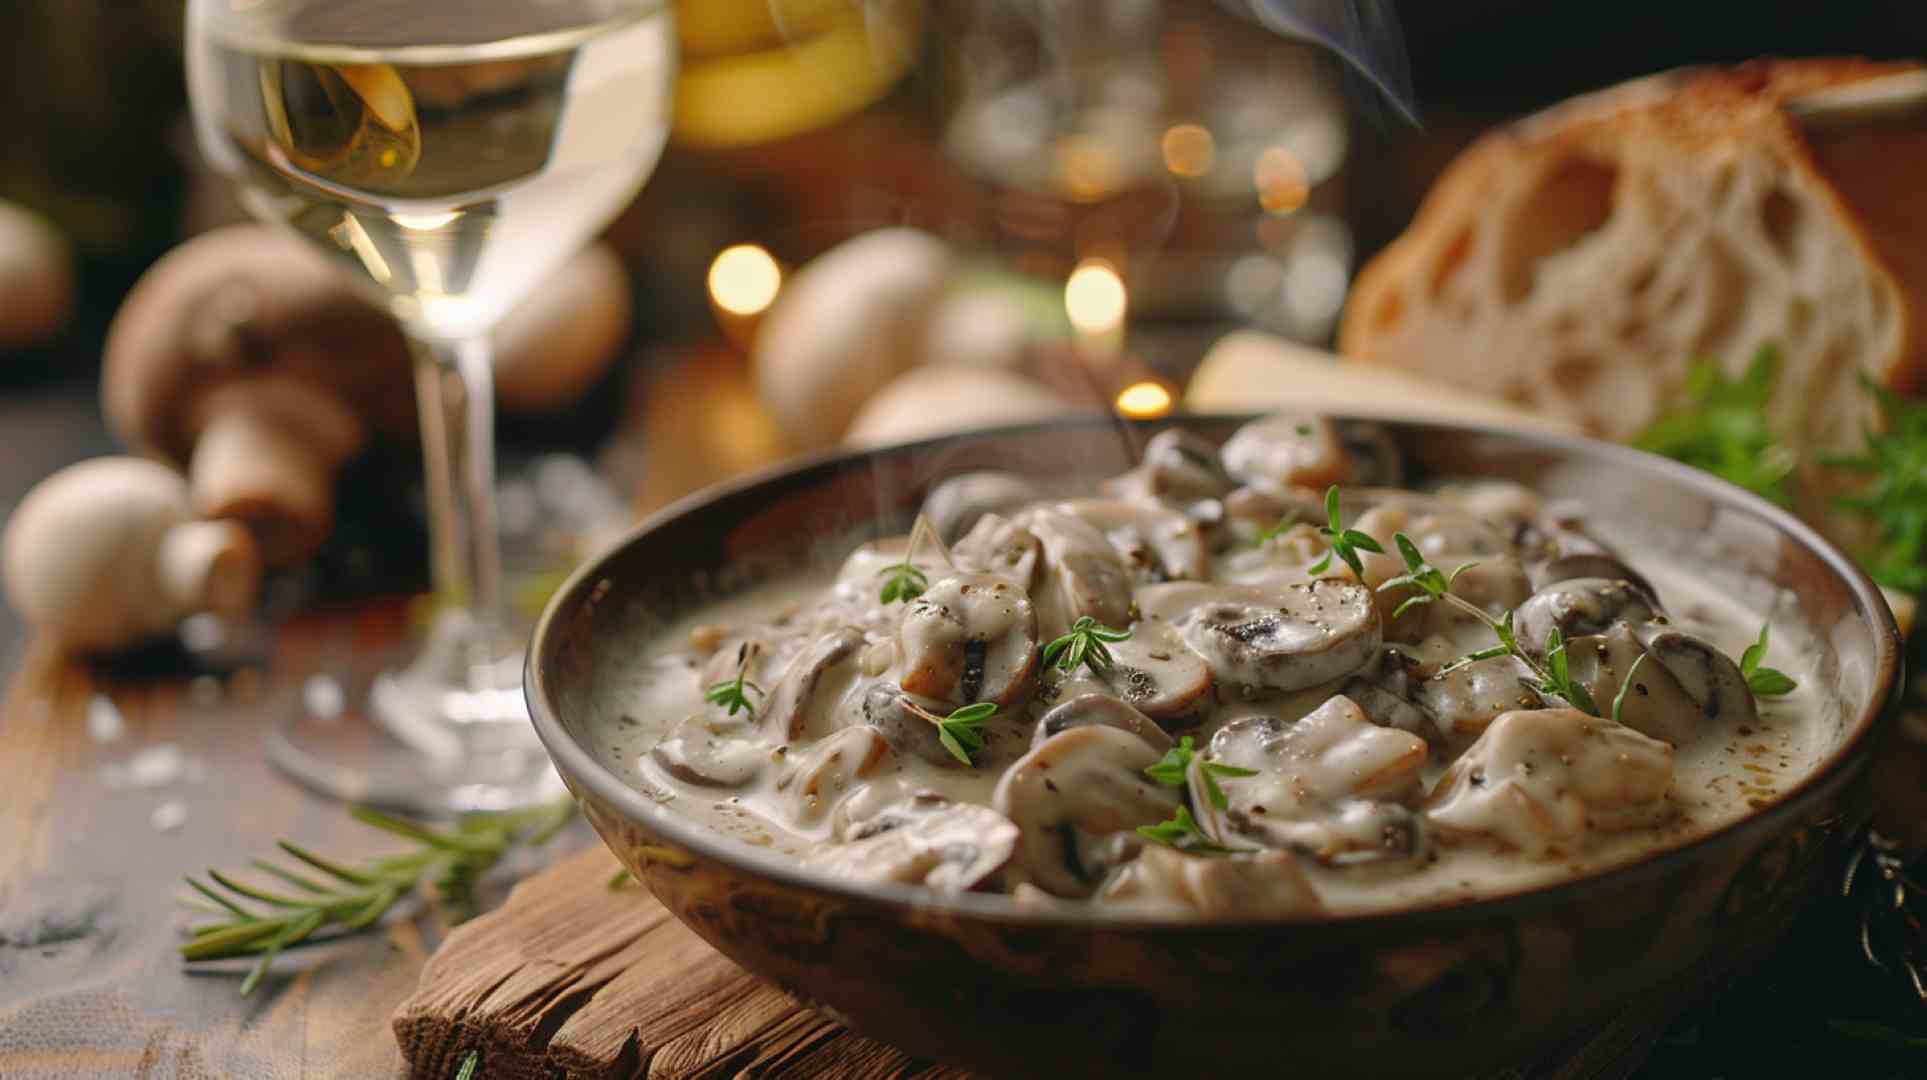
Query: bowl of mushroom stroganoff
[{"x": 1088, "y": 748}]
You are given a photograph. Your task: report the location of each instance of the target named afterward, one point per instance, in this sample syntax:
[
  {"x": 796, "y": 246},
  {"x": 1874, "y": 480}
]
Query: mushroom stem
[
  {"x": 208, "y": 566},
  {"x": 268, "y": 456}
]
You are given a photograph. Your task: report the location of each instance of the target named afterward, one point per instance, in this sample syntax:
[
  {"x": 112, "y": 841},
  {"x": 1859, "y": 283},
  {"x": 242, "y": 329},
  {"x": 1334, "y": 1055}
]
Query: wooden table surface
[
  {"x": 114, "y": 781},
  {"x": 117, "y": 779}
]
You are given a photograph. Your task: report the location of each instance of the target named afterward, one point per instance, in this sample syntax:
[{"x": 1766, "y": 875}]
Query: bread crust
[{"x": 1523, "y": 197}]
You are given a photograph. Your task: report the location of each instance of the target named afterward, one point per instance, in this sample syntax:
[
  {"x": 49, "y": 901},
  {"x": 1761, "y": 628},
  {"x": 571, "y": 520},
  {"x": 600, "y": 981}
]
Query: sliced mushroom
[
  {"x": 1158, "y": 674},
  {"x": 1592, "y": 565},
  {"x": 1538, "y": 779},
  {"x": 1178, "y": 467},
  {"x": 1290, "y": 638},
  {"x": 800, "y": 695},
  {"x": 1504, "y": 501},
  {"x": 1087, "y": 710},
  {"x": 1164, "y": 881},
  {"x": 1308, "y": 776},
  {"x": 1465, "y": 701},
  {"x": 1083, "y": 574},
  {"x": 1685, "y": 687},
  {"x": 883, "y": 708},
  {"x": 1070, "y": 793},
  {"x": 1386, "y": 689},
  {"x": 968, "y": 638},
  {"x": 1579, "y": 607},
  {"x": 955, "y": 505},
  {"x": 712, "y": 751},
  {"x": 927, "y": 840},
  {"x": 1287, "y": 450},
  {"x": 823, "y": 774},
  {"x": 1372, "y": 455},
  {"x": 1256, "y": 508},
  {"x": 997, "y": 545},
  {"x": 1156, "y": 544}
]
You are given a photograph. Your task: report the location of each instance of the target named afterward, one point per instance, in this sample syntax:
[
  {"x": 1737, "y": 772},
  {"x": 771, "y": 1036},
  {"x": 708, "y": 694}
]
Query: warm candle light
[
  {"x": 1144, "y": 400},
  {"x": 1189, "y": 150},
  {"x": 1094, "y": 298},
  {"x": 744, "y": 280},
  {"x": 1281, "y": 181}
]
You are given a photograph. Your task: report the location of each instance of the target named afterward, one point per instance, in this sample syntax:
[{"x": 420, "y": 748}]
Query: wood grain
[{"x": 571, "y": 975}]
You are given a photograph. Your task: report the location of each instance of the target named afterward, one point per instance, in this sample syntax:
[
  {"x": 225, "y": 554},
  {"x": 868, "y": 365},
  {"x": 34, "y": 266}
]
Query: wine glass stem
[{"x": 454, "y": 389}]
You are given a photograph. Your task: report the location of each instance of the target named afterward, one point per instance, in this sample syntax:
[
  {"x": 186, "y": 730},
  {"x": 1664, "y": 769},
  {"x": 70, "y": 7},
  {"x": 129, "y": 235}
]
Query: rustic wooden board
[{"x": 572, "y": 978}]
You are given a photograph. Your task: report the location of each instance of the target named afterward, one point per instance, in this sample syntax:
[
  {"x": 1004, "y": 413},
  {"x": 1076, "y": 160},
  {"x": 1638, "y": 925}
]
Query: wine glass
[{"x": 449, "y": 153}]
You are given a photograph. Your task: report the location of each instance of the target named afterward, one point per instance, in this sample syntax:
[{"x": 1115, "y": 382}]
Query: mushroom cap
[{"x": 239, "y": 301}]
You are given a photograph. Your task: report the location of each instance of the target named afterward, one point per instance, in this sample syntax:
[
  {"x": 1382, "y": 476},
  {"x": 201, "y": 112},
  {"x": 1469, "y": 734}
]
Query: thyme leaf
[
  {"x": 730, "y": 692},
  {"x": 1763, "y": 681},
  {"x": 961, "y": 732},
  {"x": 1181, "y": 831},
  {"x": 1084, "y": 644},
  {"x": 1345, "y": 543},
  {"x": 1173, "y": 769}
]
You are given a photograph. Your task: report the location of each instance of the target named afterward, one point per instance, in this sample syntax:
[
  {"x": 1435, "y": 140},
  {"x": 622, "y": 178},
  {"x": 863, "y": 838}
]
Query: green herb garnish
[
  {"x": 335, "y": 900},
  {"x": 470, "y": 1063},
  {"x": 1619, "y": 699},
  {"x": 1345, "y": 543},
  {"x": 1763, "y": 681},
  {"x": 905, "y": 581},
  {"x": 1175, "y": 766},
  {"x": 1895, "y": 496},
  {"x": 962, "y": 732},
  {"x": 1181, "y": 831},
  {"x": 1429, "y": 585},
  {"x": 730, "y": 693},
  {"x": 1085, "y": 644},
  {"x": 1721, "y": 428}
]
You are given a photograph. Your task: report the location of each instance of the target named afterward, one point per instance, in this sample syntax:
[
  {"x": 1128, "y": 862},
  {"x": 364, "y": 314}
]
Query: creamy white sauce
[{"x": 1718, "y": 777}]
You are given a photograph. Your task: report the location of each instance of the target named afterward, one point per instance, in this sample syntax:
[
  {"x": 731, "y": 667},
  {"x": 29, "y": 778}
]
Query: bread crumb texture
[{"x": 1580, "y": 261}]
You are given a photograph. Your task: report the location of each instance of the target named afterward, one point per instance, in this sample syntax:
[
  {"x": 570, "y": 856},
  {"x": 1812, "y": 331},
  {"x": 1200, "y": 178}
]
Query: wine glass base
[{"x": 412, "y": 740}]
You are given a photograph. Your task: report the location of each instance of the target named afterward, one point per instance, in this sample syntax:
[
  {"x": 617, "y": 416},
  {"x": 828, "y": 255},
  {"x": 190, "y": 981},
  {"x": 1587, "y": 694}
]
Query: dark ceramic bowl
[{"x": 1430, "y": 991}]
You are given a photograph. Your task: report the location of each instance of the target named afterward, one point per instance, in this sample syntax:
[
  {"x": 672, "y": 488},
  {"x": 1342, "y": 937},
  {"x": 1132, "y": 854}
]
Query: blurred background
[{"x": 1109, "y": 188}]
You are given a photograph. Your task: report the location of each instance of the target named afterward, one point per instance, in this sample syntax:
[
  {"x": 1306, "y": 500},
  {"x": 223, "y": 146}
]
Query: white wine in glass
[{"x": 450, "y": 154}]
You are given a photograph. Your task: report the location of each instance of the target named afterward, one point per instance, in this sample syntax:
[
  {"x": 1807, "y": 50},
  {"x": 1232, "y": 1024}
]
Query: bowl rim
[{"x": 583, "y": 769}]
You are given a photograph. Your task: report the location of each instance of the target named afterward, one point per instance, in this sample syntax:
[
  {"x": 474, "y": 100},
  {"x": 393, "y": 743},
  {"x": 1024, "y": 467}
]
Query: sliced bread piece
[{"x": 1578, "y": 262}]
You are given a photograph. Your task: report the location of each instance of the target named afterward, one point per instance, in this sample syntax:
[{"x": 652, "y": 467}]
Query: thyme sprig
[
  {"x": 331, "y": 900},
  {"x": 1181, "y": 831},
  {"x": 1763, "y": 681},
  {"x": 731, "y": 692},
  {"x": 1345, "y": 543},
  {"x": 962, "y": 732},
  {"x": 906, "y": 581},
  {"x": 1174, "y": 768},
  {"x": 1085, "y": 644}
]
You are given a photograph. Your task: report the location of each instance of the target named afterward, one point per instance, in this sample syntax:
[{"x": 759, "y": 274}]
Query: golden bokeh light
[
  {"x": 1094, "y": 298},
  {"x": 1280, "y": 180},
  {"x": 744, "y": 279},
  {"x": 1189, "y": 151},
  {"x": 1145, "y": 400}
]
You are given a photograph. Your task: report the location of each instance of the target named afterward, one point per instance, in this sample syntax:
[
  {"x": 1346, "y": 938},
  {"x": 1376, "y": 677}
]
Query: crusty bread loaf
[{"x": 1579, "y": 261}]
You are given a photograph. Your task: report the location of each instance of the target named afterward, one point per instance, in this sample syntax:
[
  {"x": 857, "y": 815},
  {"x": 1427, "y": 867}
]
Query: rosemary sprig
[
  {"x": 1721, "y": 428},
  {"x": 1895, "y": 496},
  {"x": 1763, "y": 681},
  {"x": 330, "y": 896},
  {"x": 1345, "y": 543},
  {"x": 1181, "y": 831},
  {"x": 1085, "y": 644},
  {"x": 962, "y": 732},
  {"x": 1172, "y": 770},
  {"x": 730, "y": 692}
]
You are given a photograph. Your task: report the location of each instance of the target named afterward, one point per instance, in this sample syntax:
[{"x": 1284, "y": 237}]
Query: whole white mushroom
[
  {"x": 36, "y": 278},
  {"x": 942, "y": 398},
  {"x": 106, "y": 553},
  {"x": 844, "y": 326}
]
